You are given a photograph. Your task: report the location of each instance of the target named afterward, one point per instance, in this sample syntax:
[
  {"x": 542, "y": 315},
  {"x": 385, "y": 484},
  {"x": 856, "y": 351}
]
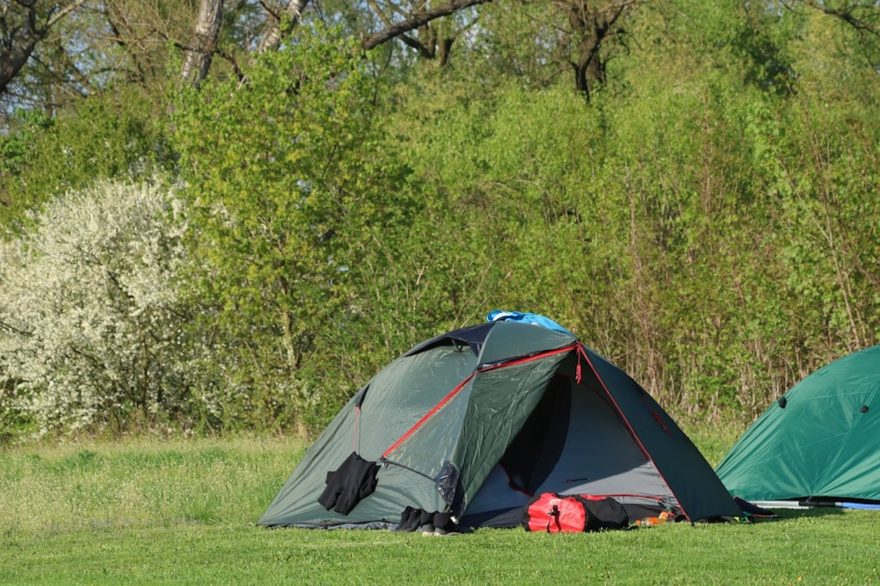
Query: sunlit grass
[
  {"x": 141, "y": 482},
  {"x": 184, "y": 511}
]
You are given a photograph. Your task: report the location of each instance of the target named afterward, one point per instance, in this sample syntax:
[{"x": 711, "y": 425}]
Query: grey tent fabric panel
[
  {"x": 495, "y": 493},
  {"x": 307, "y": 480},
  {"x": 507, "y": 340},
  {"x": 600, "y": 456},
  {"x": 395, "y": 399},
  {"x": 500, "y": 402},
  {"x": 434, "y": 443},
  {"x": 405, "y": 391},
  {"x": 691, "y": 479},
  {"x": 397, "y": 489},
  {"x": 641, "y": 480}
]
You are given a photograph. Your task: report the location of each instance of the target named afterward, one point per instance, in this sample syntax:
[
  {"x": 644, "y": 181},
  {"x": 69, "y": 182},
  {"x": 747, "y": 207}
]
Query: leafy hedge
[{"x": 709, "y": 221}]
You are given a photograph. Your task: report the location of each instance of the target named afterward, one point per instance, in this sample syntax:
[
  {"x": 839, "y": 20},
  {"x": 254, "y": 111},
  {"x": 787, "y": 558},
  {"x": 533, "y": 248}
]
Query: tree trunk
[
  {"x": 279, "y": 28},
  {"x": 444, "y": 51},
  {"x": 207, "y": 32},
  {"x": 589, "y": 69},
  {"x": 590, "y": 26},
  {"x": 288, "y": 340},
  {"x": 13, "y": 60},
  {"x": 580, "y": 79}
]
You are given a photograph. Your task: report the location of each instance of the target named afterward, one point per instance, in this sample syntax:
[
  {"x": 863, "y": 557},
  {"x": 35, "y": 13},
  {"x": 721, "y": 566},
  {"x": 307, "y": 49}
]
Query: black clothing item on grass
[
  {"x": 412, "y": 518},
  {"x": 346, "y": 486}
]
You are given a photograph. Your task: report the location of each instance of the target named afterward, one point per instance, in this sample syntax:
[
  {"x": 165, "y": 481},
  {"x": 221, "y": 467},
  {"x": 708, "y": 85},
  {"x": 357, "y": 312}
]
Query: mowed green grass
[{"x": 184, "y": 511}]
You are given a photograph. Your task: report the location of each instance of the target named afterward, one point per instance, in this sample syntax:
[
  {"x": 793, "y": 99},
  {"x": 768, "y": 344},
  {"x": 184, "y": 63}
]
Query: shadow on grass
[{"x": 793, "y": 514}]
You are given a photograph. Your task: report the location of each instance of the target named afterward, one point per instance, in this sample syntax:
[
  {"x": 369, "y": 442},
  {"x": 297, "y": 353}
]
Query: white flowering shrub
[{"x": 92, "y": 329}]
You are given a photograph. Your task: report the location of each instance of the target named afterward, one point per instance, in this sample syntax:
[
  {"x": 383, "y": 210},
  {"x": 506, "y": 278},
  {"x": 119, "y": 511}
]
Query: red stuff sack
[{"x": 553, "y": 513}]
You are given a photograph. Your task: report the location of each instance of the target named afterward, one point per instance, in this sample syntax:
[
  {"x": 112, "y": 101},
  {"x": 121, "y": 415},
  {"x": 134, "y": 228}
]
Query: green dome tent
[
  {"x": 820, "y": 441},
  {"x": 473, "y": 422}
]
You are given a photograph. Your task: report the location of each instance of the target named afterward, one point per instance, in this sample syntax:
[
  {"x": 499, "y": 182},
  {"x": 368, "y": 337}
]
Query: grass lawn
[{"x": 184, "y": 511}]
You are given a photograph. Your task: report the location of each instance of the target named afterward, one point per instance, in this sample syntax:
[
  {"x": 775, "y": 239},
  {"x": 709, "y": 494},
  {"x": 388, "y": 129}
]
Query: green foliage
[
  {"x": 16, "y": 147},
  {"x": 289, "y": 180},
  {"x": 708, "y": 220},
  {"x": 690, "y": 223},
  {"x": 111, "y": 136}
]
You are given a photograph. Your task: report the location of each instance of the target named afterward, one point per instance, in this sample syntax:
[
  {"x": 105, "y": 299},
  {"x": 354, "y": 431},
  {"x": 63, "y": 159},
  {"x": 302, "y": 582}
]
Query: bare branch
[
  {"x": 11, "y": 328},
  {"x": 121, "y": 41},
  {"x": 273, "y": 11},
  {"x": 62, "y": 12},
  {"x": 230, "y": 58},
  {"x": 847, "y": 14},
  {"x": 417, "y": 20},
  {"x": 407, "y": 40}
]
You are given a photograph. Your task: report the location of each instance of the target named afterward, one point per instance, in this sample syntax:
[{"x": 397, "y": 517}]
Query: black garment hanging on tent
[{"x": 346, "y": 486}]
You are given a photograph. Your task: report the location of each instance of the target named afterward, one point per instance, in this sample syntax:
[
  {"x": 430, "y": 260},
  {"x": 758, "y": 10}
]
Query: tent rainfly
[
  {"x": 467, "y": 426},
  {"x": 820, "y": 442}
]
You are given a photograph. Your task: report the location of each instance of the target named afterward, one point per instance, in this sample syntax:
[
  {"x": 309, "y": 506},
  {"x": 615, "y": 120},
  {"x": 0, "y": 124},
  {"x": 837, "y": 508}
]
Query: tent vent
[{"x": 782, "y": 402}]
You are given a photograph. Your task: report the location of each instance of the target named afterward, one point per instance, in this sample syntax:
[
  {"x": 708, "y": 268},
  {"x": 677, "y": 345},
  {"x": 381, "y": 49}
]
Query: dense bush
[
  {"x": 705, "y": 235},
  {"x": 290, "y": 178},
  {"x": 114, "y": 136},
  {"x": 708, "y": 219},
  {"x": 91, "y": 320}
]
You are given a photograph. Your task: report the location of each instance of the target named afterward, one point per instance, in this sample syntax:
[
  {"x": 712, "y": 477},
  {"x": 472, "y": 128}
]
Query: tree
[
  {"x": 592, "y": 25},
  {"x": 91, "y": 320},
  {"x": 285, "y": 174},
  {"x": 22, "y": 28},
  {"x": 541, "y": 41},
  {"x": 23, "y": 25},
  {"x": 86, "y": 48}
]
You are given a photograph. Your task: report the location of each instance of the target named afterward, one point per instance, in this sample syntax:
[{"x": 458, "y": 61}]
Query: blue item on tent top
[{"x": 526, "y": 318}]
